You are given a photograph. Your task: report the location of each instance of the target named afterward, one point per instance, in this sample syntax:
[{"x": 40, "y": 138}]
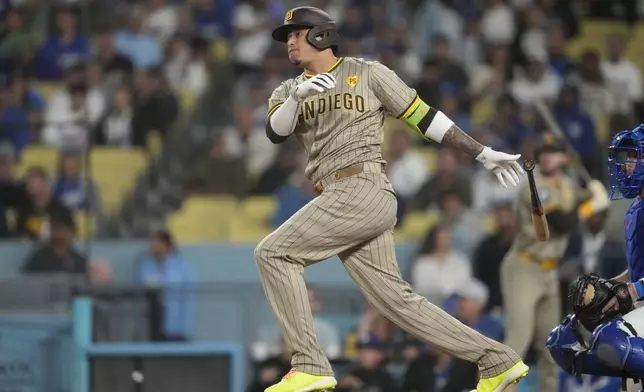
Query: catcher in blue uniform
[{"x": 605, "y": 335}]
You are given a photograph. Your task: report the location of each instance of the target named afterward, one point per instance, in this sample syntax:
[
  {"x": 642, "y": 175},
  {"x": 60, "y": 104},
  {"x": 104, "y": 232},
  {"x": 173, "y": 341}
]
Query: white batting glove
[
  {"x": 505, "y": 166},
  {"x": 316, "y": 85}
]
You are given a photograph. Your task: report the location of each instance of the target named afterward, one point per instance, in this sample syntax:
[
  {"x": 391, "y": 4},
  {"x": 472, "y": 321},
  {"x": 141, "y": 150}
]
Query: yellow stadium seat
[
  {"x": 482, "y": 111},
  {"x": 44, "y": 156},
  {"x": 429, "y": 156},
  {"x": 187, "y": 100},
  {"x": 46, "y": 89},
  {"x": 203, "y": 219},
  {"x": 489, "y": 224},
  {"x": 115, "y": 171},
  {"x": 85, "y": 224},
  {"x": 219, "y": 50},
  {"x": 252, "y": 219},
  {"x": 416, "y": 225},
  {"x": 154, "y": 143}
]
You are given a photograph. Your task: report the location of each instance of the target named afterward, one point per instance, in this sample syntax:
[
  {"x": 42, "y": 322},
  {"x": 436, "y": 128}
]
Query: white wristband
[
  {"x": 284, "y": 119},
  {"x": 438, "y": 127}
]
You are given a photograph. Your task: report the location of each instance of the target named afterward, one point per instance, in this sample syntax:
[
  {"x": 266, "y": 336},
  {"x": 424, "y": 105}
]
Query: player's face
[
  {"x": 550, "y": 161},
  {"x": 631, "y": 162},
  {"x": 299, "y": 50}
]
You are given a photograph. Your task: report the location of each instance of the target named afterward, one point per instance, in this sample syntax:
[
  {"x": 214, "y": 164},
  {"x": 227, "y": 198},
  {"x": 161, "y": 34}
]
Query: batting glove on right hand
[{"x": 316, "y": 85}]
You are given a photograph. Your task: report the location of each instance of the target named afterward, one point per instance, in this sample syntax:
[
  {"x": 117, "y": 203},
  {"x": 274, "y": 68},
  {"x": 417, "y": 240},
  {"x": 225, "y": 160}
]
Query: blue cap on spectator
[
  {"x": 370, "y": 341},
  {"x": 447, "y": 88}
]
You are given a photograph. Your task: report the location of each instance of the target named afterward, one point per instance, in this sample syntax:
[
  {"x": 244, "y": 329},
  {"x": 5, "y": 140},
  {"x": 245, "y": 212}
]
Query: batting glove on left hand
[{"x": 505, "y": 166}]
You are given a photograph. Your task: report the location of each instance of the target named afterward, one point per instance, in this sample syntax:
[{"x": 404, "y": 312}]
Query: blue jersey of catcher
[
  {"x": 626, "y": 177},
  {"x": 634, "y": 230}
]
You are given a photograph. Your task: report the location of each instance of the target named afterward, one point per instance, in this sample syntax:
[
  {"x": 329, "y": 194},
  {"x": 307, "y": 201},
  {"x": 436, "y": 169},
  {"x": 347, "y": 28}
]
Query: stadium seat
[
  {"x": 85, "y": 224},
  {"x": 429, "y": 156},
  {"x": 252, "y": 219},
  {"x": 203, "y": 219},
  {"x": 416, "y": 225},
  {"x": 187, "y": 100},
  {"x": 46, "y": 89},
  {"x": 44, "y": 156},
  {"x": 115, "y": 171},
  {"x": 482, "y": 111}
]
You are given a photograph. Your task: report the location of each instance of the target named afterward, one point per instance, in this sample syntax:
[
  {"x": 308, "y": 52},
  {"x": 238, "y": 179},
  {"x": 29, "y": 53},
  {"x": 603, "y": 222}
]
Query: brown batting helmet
[{"x": 323, "y": 32}]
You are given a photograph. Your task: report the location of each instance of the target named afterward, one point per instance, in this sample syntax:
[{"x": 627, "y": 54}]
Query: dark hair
[
  {"x": 64, "y": 154},
  {"x": 37, "y": 171},
  {"x": 428, "y": 245},
  {"x": 165, "y": 237}
]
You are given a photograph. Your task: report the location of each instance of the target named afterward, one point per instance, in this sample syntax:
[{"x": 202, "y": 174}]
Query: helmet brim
[{"x": 281, "y": 33}]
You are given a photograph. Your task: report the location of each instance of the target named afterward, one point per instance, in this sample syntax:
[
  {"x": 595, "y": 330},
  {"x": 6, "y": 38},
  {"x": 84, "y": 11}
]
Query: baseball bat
[{"x": 539, "y": 221}]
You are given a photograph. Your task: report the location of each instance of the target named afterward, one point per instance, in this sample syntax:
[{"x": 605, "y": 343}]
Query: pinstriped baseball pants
[{"x": 354, "y": 219}]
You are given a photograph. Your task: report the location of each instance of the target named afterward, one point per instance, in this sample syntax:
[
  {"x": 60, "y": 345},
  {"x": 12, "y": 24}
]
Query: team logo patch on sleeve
[{"x": 352, "y": 80}]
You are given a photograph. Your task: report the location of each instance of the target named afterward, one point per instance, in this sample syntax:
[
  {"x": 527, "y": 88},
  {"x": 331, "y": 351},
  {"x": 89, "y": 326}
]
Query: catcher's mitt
[{"x": 589, "y": 294}]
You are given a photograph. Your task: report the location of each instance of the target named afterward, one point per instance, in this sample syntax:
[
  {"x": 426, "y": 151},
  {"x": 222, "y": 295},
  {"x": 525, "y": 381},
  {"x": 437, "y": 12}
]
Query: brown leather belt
[{"x": 346, "y": 172}]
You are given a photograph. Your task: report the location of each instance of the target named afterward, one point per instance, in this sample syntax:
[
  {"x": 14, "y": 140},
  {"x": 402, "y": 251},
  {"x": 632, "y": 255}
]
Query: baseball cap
[
  {"x": 370, "y": 341},
  {"x": 473, "y": 289}
]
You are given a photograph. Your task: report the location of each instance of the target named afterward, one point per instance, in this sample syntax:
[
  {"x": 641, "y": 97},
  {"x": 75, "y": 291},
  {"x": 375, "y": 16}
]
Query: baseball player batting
[{"x": 336, "y": 109}]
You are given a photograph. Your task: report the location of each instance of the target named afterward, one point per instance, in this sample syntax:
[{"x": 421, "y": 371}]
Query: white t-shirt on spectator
[
  {"x": 183, "y": 73},
  {"x": 438, "y": 280},
  {"x": 250, "y": 48},
  {"x": 486, "y": 191},
  {"x": 498, "y": 25},
  {"x": 408, "y": 173},
  {"x": 534, "y": 44},
  {"x": 625, "y": 81},
  {"x": 65, "y": 127},
  {"x": 118, "y": 128},
  {"x": 528, "y": 92},
  {"x": 258, "y": 151},
  {"x": 162, "y": 23}
]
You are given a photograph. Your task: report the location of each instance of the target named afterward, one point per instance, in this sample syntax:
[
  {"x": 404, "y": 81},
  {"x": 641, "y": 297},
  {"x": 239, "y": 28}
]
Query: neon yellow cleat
[
  {"x": 295, "y": 381},
  {"x": 503, "y": 380}
]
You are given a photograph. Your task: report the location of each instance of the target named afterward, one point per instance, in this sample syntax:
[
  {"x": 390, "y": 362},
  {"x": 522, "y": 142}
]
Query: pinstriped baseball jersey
[{"x": 345, "y": 126}]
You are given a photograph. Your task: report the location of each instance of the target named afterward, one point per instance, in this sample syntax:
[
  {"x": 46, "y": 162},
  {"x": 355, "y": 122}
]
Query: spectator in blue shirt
[
  {"x": 143, "y": 49},
  {"x": 62, "y": 49},
  {"x": 506, "y": 126},
  {"x": 291, "y": 197},
  {"x": 578, "y": 127},
  {"x": 71, "y": 188},
  {"x": 167, "y": 270},
  {"x": 213, "y": 18},
  {"x": 21, "y": 111}
]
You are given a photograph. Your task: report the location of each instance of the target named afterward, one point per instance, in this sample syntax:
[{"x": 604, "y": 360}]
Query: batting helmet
[{"x": 323, "y": 33}]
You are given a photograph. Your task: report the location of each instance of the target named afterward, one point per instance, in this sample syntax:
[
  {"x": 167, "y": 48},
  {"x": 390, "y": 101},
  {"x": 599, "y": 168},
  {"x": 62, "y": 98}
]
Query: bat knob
[{"x": 528, "y": 165}]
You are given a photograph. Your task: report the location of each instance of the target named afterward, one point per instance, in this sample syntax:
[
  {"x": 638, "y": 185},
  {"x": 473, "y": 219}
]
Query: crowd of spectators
[{"x": 488, "y": 65}]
